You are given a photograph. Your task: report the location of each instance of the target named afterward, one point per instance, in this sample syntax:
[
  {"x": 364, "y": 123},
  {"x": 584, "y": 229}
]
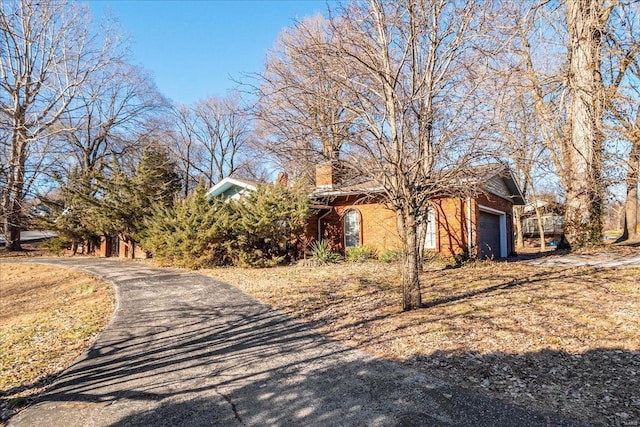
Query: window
[
  {"x": 430, "y": 235},
  {"x": 351, "y": 228}
]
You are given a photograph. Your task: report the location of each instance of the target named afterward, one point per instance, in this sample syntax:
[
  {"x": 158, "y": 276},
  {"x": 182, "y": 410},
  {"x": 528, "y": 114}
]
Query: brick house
[
  {"x": 115, "y": 246},
  {"x": 355, "y": 215}
]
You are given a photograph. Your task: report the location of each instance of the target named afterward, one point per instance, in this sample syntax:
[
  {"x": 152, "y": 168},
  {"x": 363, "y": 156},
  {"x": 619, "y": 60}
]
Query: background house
[
  {"x": 355, "y": 215},
  {"x": 116, "y": 246},
  {"x": 551, "y": 217}
]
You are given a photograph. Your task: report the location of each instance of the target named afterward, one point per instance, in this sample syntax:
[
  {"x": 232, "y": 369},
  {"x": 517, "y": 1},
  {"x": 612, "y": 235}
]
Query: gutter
[{"x": 320, "y": 223}]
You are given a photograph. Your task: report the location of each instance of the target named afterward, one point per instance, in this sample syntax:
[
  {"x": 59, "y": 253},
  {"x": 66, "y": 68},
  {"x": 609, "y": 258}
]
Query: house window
[
  {"x": 351, "y": 228},
  {"x": 430, "y": 235}
]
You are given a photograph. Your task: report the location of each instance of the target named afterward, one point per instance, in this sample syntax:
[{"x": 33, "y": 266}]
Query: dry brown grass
[
  {"x": 49, "y": 315},
  {"x": 552, "y": 339},
  {"x": 29, "y": 250}
]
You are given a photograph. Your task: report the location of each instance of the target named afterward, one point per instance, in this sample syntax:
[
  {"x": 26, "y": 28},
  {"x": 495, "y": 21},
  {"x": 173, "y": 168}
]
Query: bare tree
[
  {"x": 622, "y": 77},
  {"x": 48, "y": 53},
  {"x": 183, "y": 144},
  {"x": 405, "y": 82},
  {"x": 222, "y": 130},
  {"x": 518, "y": 128},
  {"x": 107, "y": 116},
  {"x": 212, "y": 139},
  {"x": 557, "y": 49},
  {"x": 300, "y": 106},
  {"x": 586, "y": 23}
]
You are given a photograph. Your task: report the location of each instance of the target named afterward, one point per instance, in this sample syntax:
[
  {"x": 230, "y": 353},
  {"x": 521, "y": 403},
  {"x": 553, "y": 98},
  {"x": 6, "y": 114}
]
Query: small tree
[
  {"x": 123, "y": 203},
  {"x": 258, "y": 230},
  {"x": 70, "y": 211},
  {"x": 193, "y": 233},
  {"x": 267, "y": 221},
  {"x": 407, "y": 80}
]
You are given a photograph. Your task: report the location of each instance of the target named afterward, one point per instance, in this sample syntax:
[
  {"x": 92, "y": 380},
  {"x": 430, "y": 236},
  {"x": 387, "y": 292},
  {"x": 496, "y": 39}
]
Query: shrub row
[{"x": 256, "y": 231}]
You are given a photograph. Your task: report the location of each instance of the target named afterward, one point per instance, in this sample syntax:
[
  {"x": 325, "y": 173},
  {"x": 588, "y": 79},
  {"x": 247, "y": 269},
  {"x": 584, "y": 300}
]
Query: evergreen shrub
[{"x": 254, "y": 231}]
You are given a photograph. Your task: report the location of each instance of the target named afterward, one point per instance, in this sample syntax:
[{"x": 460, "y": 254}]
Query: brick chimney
[
  {"x": 282, "y": 179},
  {"x": 326, "y": 174}
]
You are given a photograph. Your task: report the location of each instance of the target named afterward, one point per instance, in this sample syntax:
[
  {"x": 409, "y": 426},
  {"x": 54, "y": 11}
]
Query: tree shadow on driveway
[{"x": 186, "y": 350}]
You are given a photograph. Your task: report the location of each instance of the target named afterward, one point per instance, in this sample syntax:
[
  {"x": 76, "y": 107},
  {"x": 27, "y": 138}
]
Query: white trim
[
  {"x": 344, "y": 227},
  {"x": 503, "y": 227},
  {"x": 513, "y": 178},
  {"x": 431, "y": 222},
  {"x": 226, "y": 184}
]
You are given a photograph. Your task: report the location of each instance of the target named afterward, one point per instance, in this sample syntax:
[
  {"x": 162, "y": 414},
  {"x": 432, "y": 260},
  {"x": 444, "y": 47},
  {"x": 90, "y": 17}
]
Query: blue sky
[{"x": 195, "y": 48}]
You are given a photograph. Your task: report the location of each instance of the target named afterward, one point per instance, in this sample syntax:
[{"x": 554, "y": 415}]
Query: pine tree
[
  {"x": 268, "y": 220},
  {"x": 124, "y": 203},
  {"x": 194, "y": 233}
]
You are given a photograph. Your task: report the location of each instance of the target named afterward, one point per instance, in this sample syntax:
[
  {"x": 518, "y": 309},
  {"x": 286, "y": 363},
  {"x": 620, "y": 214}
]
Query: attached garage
[{"x": 491, "y": 234}]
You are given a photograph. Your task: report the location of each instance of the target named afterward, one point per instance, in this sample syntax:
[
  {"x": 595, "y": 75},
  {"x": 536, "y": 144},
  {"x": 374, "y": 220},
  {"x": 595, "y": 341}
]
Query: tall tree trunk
[
  {"x": 517, "y": 215},
  {"x": 411, "y": 295},
  {"x": 583, "y": 216},
  {"x": 630, "y": 231},
  {"x": 543, "y": 243},
  {"x": 13, "y": 195},
  {"x": 536, "y": 208}
]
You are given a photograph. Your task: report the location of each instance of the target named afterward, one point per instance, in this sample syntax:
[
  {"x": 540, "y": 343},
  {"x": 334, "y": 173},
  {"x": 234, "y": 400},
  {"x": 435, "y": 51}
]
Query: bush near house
[
  {"x": 322, "y": 253},
  {"x": 360, "y": 253},
  {"x": 257, "y": 230}
]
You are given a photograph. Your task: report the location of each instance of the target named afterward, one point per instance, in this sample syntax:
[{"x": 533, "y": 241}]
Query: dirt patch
[
  {"x": 565, "y": 340},
  {"x": 49, "y": 316}
]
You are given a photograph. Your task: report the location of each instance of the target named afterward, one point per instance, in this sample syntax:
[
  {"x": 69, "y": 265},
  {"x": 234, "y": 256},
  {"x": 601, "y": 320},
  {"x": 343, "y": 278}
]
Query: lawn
[
  {"x": 48, "y": 317},
  {"x": 563, "y": 340}
]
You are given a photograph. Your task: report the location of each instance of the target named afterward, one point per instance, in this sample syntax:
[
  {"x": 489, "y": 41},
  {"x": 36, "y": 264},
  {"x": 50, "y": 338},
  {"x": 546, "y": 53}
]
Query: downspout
[
  {"x": 320, "y": 224},
  {"x": 469, "y": 231}
]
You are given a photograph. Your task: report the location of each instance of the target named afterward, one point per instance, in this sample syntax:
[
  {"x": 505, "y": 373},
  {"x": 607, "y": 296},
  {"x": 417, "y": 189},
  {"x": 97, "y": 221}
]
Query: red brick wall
[
  {"x": 451, "y": 217},
  {"x": 124, "y": 249},
  {"x": 378, "y": 224},
  {"x": 103, "y": 250},
  {"x": 325, "y": 174}
]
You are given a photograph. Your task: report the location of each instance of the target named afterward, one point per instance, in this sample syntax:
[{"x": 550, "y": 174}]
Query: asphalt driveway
[
  {"x": 601, "y": 260},
  {"x": 185, "y": 350}
]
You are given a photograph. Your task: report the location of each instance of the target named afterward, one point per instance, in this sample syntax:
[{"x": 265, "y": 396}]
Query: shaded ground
[
  {"x": 28, "y": 250},
  {"x": 186, "y": 350},
  {"x": 560, "y": 339}
]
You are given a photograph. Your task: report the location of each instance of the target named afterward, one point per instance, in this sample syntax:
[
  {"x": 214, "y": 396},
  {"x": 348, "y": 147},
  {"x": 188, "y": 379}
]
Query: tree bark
[
  {"x": 12, "y": 202},
  {"x": 536, "y": 208},
  {"x": 517, "y": 215},
  {"x": 630, "y": 231},
  {"x": 543, "y": 243},
  {"x": 583, "y": 216},
  {"x": 411, "y": 294}
]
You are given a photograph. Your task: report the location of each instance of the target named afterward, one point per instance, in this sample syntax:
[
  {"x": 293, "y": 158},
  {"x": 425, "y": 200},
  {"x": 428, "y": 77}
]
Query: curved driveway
[{"x": 185, "y": 350}]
